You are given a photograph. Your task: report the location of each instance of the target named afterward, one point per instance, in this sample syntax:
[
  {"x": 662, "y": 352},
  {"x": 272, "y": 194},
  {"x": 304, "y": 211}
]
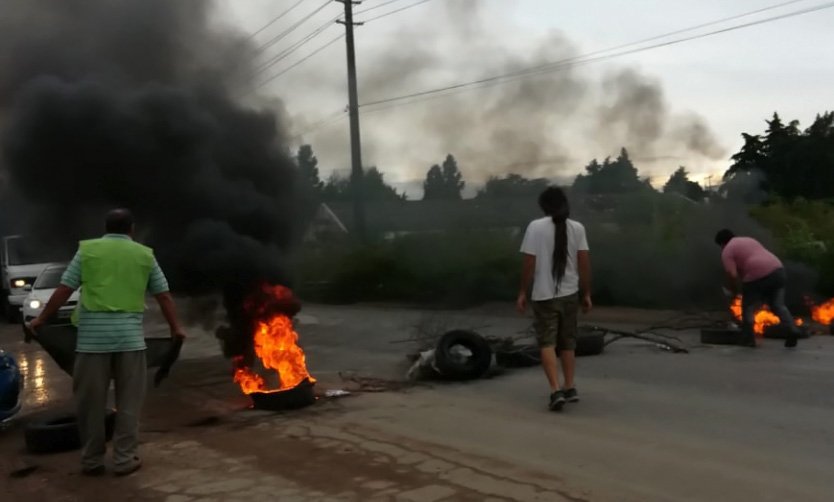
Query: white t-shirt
[{"x": 539, "y": 242}]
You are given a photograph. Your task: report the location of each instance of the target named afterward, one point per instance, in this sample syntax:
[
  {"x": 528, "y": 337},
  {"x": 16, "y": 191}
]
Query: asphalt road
[{"x": 720, "y": 423}]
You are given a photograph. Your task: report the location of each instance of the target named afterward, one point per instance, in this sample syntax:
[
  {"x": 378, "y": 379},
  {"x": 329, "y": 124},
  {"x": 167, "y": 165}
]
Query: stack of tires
[
  {"x": 466, "y": 355},
  {"x": 462, "y": 355}
]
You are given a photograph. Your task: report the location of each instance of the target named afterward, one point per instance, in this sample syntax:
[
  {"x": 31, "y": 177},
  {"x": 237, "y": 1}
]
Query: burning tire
[
  {"x": 291, "y": 399},
  {"x": 462, "y": 355},
  {"x": 58, "y": 433}
]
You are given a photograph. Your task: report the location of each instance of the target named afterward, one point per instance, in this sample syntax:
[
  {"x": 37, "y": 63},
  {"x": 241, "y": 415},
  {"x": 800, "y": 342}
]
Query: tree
[
  {"x": 374, "y": 188},
  {"x": 434, "y": 186},
  {"x": 680, "y": 183},
  {"x": 444, "y": 183},
  {"x": 512, "y": 185},
  {"x": 790, "y": 163},
  {"x": 617, "y": 176},
  {"x": 308, "y": 169},
  {"x": 750, "y": 157}
]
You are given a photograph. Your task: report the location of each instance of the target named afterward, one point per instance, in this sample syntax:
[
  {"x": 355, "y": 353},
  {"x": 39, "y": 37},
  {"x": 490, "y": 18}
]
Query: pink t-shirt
[{"x": 746, "y": 258}]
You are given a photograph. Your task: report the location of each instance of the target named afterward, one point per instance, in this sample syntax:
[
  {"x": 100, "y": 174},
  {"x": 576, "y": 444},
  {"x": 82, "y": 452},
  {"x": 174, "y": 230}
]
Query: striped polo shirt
[{"x": 110, "y": 331}]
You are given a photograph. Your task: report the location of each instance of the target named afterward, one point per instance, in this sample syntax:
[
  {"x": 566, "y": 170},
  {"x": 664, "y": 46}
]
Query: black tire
[
  {"x": 780, "y": 332},
  {"x": 451, "y": 367},
  {"x": 590, "y": 343},
  {"x": 11, "y": 313},
  {"x": 58, "y": 433},
  {"x": 299, "y": 396}
]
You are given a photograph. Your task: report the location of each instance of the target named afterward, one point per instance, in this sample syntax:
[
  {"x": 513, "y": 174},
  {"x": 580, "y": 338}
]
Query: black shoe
[
  {"x": 557, "y": 401},
  {"x": 571, "y": 395},
  {"x": 94, "y": 472},
  {"x": 791, "y": 340}
]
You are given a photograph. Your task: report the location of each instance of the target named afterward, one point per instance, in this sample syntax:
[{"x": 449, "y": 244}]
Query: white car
[
  {"x": 21, "y": 265},
  {"x": 42, "y": 289}
]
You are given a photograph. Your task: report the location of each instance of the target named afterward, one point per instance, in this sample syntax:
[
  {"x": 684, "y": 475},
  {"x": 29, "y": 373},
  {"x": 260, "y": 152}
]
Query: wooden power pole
[{"x": 356, "y": 173}]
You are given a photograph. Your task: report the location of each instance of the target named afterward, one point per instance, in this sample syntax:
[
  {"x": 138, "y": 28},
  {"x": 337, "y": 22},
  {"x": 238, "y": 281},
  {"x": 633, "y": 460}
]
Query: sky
[{"x": 685, "y": 104}]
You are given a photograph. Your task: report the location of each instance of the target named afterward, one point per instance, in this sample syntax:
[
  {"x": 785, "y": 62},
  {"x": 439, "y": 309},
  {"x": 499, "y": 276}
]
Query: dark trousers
[{"x": 769, "y": 290}]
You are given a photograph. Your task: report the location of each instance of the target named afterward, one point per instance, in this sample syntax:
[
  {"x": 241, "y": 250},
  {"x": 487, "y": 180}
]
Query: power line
[
  {"x": 393, "y": 11},
  {"x": 691, "y": 28},
  {"x": 323, "y": 122},
  {"x": 383, "y": 4},
  {"x": 294, "y": 47},
  {"x": 275, "y": 19},
  {"x": 585, "y": 59},
  {"x": 577, "y": 60},
  {"x": 274, "y": 40},
  {"x": 310, "y": 36},
  {"x": 305, "y": 58}
]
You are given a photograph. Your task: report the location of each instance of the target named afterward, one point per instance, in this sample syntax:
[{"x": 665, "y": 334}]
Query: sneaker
[
  {"x": 131, "y": 468},
  {"x": 94, "y": 472},
  {"x": 557, "y": 401},
  {"x": 571, "y": 395}
]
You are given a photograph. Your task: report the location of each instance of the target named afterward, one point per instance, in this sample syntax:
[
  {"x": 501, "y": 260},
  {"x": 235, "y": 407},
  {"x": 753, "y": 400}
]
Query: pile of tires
[
  {"x": 466, "y": 355},
  {"x": 462, "y": 355}
]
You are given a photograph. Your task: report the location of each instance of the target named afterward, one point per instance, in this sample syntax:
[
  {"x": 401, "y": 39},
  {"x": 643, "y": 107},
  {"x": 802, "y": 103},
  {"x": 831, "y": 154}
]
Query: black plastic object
[
  {"x": 453, "y": 365},
  {"x": 57, "y": 433},
  {"x": 168, "y": 359},
  {"x": 60, "y": 341},
  {"x": 300, "y": 396}
]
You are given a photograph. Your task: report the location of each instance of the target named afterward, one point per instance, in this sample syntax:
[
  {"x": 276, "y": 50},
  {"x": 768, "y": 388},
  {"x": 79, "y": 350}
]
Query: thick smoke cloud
[
  {"x": 548, "y": 125},
  {"x": 130, "y": 103},
  {"x": 133, "y": 103}
]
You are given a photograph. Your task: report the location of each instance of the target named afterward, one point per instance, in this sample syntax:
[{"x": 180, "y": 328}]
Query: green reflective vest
[{"x": 115, "y": 274}]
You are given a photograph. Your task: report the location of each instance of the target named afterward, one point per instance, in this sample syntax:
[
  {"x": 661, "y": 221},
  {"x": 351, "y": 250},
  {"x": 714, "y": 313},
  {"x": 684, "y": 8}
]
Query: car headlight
[
  {"x": 35, "y": 304},
  {"x": 19, "y": 283}
]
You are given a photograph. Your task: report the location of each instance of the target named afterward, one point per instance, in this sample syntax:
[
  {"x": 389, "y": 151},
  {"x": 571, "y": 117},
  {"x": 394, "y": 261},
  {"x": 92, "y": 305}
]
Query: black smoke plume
[{"x": 132, "y": 103}]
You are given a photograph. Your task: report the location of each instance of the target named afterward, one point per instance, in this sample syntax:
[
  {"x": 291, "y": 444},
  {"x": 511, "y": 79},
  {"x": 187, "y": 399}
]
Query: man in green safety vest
[{"x": 114, "y": 273}]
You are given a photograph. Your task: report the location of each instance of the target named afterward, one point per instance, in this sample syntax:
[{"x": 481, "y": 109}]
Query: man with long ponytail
[{"x": 557, "y": 264}]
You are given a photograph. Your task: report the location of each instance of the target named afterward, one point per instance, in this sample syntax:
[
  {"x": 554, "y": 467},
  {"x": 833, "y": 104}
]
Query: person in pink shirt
[{"x": 762, "y": 278}]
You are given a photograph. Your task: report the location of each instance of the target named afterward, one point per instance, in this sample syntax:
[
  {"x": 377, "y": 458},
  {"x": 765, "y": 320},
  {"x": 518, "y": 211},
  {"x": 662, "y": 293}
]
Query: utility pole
[{"x": 356, "y": 174}]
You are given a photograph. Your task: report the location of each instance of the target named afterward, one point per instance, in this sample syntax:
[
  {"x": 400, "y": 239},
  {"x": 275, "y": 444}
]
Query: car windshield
[
  {"x": 22, "y": 253},
  {"x": 50, "y": 278}
]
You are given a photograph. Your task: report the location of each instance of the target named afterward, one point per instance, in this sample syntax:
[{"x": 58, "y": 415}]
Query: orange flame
[
  {"x": 763, "y": 318},
  {"x": 276, "y": 345},
  {"x": 823, "y": 314}
]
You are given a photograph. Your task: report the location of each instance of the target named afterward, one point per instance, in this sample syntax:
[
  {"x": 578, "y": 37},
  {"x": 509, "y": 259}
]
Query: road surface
[{"x": 720, "y": 423}]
